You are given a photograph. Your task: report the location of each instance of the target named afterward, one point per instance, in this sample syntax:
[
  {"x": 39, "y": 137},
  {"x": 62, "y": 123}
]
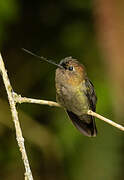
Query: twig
[
  {"x": 106, "y": 120},
  {"x": 20, "y": 100},
  {"x": 19, "y": 137}
]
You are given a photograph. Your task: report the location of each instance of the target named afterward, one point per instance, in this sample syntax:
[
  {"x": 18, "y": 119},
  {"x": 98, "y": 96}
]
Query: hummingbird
[{"x": 75, "y": 92}]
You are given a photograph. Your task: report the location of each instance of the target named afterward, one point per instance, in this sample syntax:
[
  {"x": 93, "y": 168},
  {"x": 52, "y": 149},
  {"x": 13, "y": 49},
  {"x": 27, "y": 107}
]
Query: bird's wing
[{"x": 91, "y": 95}]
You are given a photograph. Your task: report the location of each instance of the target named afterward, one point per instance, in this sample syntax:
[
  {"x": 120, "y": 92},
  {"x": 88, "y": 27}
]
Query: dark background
[{"x": 56, "y": 150}]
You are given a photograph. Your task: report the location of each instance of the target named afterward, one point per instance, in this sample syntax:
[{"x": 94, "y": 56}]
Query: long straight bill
[{"x": 42, "y": 58}]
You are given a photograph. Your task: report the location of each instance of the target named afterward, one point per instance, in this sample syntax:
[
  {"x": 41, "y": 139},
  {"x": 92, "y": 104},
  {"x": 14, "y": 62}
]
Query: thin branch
[
  {"x": 106, "y": 120},
  {"x": 20, "y": 100},
  {"x": 19, "y": 137}
]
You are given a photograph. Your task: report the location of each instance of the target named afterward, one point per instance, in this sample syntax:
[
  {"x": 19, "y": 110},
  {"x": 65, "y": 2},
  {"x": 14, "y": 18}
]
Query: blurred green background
[{"x": 56, "y": 150}]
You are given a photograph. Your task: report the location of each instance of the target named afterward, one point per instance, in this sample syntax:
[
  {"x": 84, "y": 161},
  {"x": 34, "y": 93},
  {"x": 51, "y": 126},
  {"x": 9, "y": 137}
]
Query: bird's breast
[{"x": 72, "y": 98}]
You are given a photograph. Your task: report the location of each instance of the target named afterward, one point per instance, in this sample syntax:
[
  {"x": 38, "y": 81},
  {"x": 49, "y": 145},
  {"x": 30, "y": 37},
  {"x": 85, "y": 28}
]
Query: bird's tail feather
[{"x": 85, "y": 124}]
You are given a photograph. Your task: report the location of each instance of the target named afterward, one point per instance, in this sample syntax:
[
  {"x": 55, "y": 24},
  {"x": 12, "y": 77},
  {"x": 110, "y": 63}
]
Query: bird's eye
[{"x": 70, "y": 68}]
